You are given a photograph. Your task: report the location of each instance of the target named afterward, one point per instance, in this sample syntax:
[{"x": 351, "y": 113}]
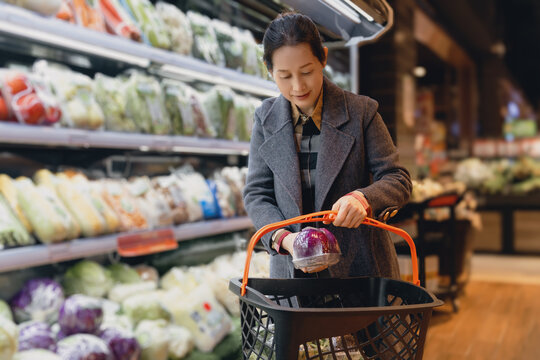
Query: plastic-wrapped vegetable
[
  {"x": 111, "y": 96},
  {"x": 83, "y": 347},
  {"x": 36, "y": 354},
  {"x": 146, "y": 104},
  {"x": 153, "y": 338},
  {"x": 9, "y": 190},
  {"x": 144, "y": 307},
  {"x": 178, "y": 27},
  {"x": 12, "y": 233},
  {"x": 47, "y": 8},
  {"x": 229, "y": 45},
  {"x": 74, "y": 90},
  {"x": 315, "y": 248},
  {"x": 120, "y": 292},
  {"x": 86, "y": 15},
  {"x": 251, "y": 54},
  {"x": 219, "y": 105},
  {"x": 39, "y": 300},
  {"x": 46, "y": 220},
  {"x": 169, "y": 188},
  {"x": 178, "y": 104},
  {"x": 205, "y": 43},
  {"x": 36, "y": 335},
  {"x": 123, "y": 273},
  {"x": 123, "y": 345},
  {"x": 153, "y": 204},
  {"x": 153, "y": 28},
  {"x": 180, "y": 342},
  {"x": 5, "y": 311},
  {"x": 124, "y": 205},
  {"x": 80, "y": 314},
  {"x": 87, "y": 277},
  {"x": 9, "y": 335},
  {"x": 194, "y": 183},
  {"x": 117, "y": 20},
  {"x": 73, "y": 229},
  {"x": 78, "y": 203}
]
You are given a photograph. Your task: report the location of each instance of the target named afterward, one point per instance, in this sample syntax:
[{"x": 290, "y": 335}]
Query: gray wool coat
[{"x": 357, "y": 153}]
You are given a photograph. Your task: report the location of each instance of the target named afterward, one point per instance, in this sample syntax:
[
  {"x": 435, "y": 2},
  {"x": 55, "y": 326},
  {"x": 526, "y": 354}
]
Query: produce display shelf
[
  {"x": 35, "y": 29},
  {"x": 30, "y": 256},
  {"x": 11, "y": 133}
]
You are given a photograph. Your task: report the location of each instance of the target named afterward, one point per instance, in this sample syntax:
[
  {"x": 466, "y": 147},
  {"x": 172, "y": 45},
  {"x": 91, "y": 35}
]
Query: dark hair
[{"x": 289, "y": 29}]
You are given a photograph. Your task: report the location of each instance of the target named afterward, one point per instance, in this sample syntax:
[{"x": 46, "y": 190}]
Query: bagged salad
[
  {"x": 205, "y": 43},
  {"x": 177, "y": 26}
]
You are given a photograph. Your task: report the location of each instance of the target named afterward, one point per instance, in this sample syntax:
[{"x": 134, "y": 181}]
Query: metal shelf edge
[
  {"x": 30, "y": 256},
  {"x": 49, "y": 136}
]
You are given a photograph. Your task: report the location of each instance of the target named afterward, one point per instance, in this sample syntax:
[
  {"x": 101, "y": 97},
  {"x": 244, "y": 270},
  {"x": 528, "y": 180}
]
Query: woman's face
[{"x": 298, "y": 75}]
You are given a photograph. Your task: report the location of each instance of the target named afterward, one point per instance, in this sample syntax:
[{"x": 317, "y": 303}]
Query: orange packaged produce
[
  {"x": 118, "y": 22},
  {"x": 88, "y": 16},
  {"x": 123, "y": 204}
]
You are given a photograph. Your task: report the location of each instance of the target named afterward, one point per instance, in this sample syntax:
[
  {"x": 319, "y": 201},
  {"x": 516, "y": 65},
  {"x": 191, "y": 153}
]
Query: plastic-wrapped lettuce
[
  {"x": 219, "y": 105},
  {"x": 9, "y": 335},
  {"x": 80, "y": 314},
  {"x": 87, "y": 277},
  {"x": 111, "y": 96},
  {"x": 5, "y": 311},
  {"x": 251, "y": 54},
  {"x": 83, "y": 347},
  {"x": 178, "y": 27},
  {"x": 178, "y": 104},
  {"x": 153, "y": 28},
  {"x": 229, "y": 45},
  {"x": 145, "y": 104},
  {"x": 39, "y": 300},
  {"x": 144, "y": 306},
  {"x": 153, "y": 337},
  {"x": 36, "y": 335},
  {"x": 205, "y": 43},
  {"x": 123, "y": 273},
  {"x": 35, "y": 354}
]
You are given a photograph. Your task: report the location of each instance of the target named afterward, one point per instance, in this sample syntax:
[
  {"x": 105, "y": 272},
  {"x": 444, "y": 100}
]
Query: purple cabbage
[
  {"x": 83, "y": 347},
  {"x": 122, "y": 345},
  {"x": 38, "y": 300},
  {"x": 315, "y": 248},
  {"x": 80, "y": 314},
  {"x": 36, "y": 335}
]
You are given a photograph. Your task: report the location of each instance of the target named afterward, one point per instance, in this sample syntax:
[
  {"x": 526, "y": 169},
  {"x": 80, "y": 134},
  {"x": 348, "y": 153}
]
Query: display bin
[{"x": 353, "y": 318}]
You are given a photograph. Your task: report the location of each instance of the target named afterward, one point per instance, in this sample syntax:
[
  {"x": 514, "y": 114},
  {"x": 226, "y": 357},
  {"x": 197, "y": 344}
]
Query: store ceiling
[{"x": 482, "y": 26}]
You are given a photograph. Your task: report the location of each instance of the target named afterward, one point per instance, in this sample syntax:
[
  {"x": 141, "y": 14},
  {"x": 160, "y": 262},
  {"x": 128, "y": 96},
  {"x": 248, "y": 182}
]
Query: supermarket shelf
[
  {"x": 47, "y": 136},
  {"x": 32, "y": 28},
  {"x": 30, "y": 256}
]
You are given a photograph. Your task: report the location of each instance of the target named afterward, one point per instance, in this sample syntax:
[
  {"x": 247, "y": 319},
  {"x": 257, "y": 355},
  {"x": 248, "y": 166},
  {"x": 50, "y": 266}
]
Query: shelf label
[
  {"x": 59, "y": 252},
  {"x": 147, "y": 242}
]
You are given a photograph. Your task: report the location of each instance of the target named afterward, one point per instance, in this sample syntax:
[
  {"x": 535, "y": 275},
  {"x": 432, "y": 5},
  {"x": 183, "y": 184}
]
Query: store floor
[{"x": 499, "y": 317}]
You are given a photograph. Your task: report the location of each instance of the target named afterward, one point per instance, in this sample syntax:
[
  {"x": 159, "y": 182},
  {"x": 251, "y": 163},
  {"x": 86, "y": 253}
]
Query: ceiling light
[{"x": 419, "y": 71}]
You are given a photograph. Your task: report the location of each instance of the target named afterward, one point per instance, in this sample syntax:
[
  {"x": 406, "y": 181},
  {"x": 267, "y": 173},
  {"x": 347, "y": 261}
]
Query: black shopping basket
[{"x": 352, "y": 318}]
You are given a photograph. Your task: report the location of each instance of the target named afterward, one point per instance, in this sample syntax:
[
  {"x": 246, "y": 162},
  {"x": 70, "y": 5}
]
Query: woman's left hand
[{"x": 350, "y": 211}]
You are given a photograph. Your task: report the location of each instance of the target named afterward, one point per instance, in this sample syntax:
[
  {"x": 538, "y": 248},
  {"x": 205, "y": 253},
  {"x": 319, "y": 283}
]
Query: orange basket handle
[{"x": 330, "y": 216}]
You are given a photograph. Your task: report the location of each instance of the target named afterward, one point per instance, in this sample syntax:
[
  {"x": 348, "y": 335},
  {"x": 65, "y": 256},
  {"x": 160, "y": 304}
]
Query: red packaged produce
[{"x": 28, "y": 108}]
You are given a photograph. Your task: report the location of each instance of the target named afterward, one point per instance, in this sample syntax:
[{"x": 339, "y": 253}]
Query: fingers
[
  {"x": 335, "y": 208},
  {"x": 350, "y": 213},
  {"x": 311, "y": 270}
]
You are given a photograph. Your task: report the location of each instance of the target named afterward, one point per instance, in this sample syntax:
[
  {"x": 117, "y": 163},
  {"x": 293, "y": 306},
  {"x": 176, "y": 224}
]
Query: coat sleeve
[
  {"x": 391, "y": 185},
  {"x": 259, "y": 192}
]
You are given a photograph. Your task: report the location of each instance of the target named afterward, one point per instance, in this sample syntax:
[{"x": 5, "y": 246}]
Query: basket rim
[{"x": 261, "y": 299}]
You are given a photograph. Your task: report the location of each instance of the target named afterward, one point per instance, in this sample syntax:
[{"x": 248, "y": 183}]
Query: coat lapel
[
  {"x": 335, "y": 144},
  {"x": 279, "y": 150}
]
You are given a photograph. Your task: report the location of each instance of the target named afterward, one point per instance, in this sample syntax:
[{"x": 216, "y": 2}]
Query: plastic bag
[
  {"x": 178, "y": 27},
  {"x": 219, "y": 105},
  {"x": 205, "y": 43},
  {"x": 149, "y": 22},
  {"x": 229, "y": 45}
]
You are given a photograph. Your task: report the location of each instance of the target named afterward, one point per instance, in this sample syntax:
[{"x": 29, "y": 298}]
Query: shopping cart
[{"x": 352, "y": 318}]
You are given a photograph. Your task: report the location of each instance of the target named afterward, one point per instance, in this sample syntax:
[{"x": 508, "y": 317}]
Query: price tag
[
  {"x": 59, "y": 252},
  {"x": 147, "y": 242}
]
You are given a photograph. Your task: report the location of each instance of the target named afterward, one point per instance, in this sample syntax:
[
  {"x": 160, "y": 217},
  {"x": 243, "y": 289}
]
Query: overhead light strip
[
  {"x": 360, "y": 10},
  {"x": 58, "y": 40},
  {"x": 344, "y": 10}
]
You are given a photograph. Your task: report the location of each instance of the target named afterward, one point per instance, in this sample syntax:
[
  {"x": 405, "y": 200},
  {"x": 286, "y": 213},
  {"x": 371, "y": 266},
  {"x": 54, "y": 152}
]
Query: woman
[{"x": 317, "y": 147}]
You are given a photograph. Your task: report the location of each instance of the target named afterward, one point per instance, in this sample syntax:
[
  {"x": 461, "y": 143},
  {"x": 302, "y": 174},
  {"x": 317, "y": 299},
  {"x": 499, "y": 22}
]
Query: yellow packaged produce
[
  {"x": 82, "y": 184},
  {"x": 47, "y": 223},
  {"x": 73, "y": 229},
  {"x": 77, "y": 202},
  {"x": 8, "y": 189}
]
